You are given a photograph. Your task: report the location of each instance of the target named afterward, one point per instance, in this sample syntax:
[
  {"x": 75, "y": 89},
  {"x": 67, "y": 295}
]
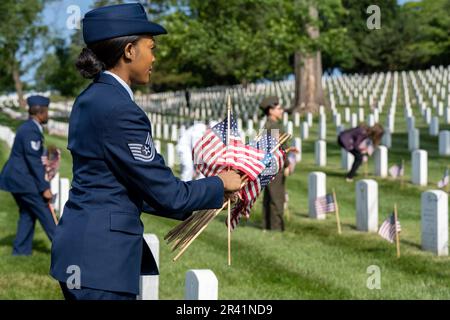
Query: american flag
[
  {"x": 397, "y": 170},
  {"x": 51, "y": 160},
  {"x": 387, "y": 229},
  {"x": 211, "y": 154},
  {"x": 325, "y": 204},
  {"x": 249, "y": 193},
  {"x": 444, "y": 181}
]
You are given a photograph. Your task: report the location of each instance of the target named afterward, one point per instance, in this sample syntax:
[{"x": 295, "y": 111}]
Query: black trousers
[{"x": 356, "y": 164}]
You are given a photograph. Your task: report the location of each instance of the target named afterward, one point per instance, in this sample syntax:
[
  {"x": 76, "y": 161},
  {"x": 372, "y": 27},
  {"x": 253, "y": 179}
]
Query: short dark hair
[
  {"x": 103, "y": 55},
  {"x": 266, "y": 111}
]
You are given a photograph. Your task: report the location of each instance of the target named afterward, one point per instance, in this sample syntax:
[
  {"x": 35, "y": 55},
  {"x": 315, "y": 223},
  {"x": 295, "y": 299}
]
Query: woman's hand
[{"x": 231, "y": 180}]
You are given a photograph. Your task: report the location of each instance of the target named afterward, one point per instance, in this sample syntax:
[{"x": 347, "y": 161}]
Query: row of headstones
[
  {"x": 199, "y": 284},
  {"x": 58, "y": 128},
  {"x": 419, "y": 162},
  {"x": 434, "y": 211}
]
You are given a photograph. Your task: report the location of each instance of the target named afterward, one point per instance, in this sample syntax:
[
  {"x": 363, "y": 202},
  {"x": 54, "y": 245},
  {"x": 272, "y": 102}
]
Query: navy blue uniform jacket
[
  {"x": 115, "y": 171},
  {"x": 24, "y": 171}
]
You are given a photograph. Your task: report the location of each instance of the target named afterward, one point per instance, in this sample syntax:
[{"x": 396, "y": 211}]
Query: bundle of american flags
[
  {"x": 259, "y": 161},
  {"x": 445, "y": 179},
  {"x": 387, "y": 229},
  {"x": 211, "y": 155},
  {"x": 397, "y": 170},
  {"x": 325, "y": 204}
]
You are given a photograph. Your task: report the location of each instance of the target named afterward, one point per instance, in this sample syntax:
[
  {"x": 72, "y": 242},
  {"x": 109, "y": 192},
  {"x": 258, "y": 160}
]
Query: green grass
[{"x": 308, "y": 261}]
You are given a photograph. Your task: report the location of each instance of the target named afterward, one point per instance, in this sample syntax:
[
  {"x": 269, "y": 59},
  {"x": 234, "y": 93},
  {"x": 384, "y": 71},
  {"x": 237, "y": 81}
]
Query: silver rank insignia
[
  {"x": 35, "y": 145},
  {"x": 143, "y": 152}
]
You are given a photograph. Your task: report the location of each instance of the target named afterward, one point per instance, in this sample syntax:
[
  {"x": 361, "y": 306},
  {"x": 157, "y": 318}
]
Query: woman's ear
[{"x": 129, "y": 52}]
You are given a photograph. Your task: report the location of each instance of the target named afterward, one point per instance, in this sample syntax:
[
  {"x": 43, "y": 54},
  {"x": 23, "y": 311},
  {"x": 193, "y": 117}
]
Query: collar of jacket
[{"x": 108, "y": 79}]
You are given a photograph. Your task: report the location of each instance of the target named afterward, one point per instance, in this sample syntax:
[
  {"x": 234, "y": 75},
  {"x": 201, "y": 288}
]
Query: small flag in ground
[
  {"x": 397, "y": 170},
  {"x": 387, "y": 229},
  {"x": 325, "y": 204},
  {"x": 444, "y": 181}
]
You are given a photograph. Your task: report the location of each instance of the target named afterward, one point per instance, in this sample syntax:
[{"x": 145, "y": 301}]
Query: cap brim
[{"x": 114, "y": 28}]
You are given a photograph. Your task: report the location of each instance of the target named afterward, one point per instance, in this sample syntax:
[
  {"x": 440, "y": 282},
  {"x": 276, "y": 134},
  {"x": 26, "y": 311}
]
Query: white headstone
[
  {"x": 157, "y": 144},
  {"x": 316, "y": 188},
  {"x": 297, "y": 119},
  {"x": 347, "y": 159},
  {"x": 149, "y": 285},
  {"x": 434, "y": 127},
  {"x": 410, "y": 123},
  {"x": 322, "y": 128},
  {"x": 444, "y": 143},
  {"x": 387, "y": 138},
  {"x": 170, "y": 155},
  {"x": 298, "y": 145},
  {"x": 166, "y": 131},
  {"x": 371, "y": 120},
  {"x": 354, "y": 122},
  {"x": 413, "y": 140},
  {"x": 309, "y": 119},
  {"x": 419, "y": 168},
  {"x": 305, "y": 131},
  {"x": 174, "y": 133},
  {"x": 361, "y": 114},
  {"x": 381, "y": 161},
  {"x": 54, "y": 188},
  {"x": 347, "y": 114},
  {"x": 337, "y": 119},
  {"x": 64, "y": 188},
  {"x": 201, "y": 285},
  {"x": 434, "y": 222},
  {"x": 428, "y": 116},
  {"x": 321, "y": 153},
  {"x": 390, "y": 123},
  {"x": 447, "y": 115},
  {"x": 290, "y": 128},
  {"x": 367, "y": 205}
]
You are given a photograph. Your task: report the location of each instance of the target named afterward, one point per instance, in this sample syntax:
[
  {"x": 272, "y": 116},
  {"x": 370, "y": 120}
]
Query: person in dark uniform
[
  {"x": 98, "y": 251},
  {"x": 24, "y": 176},
  {"x": 360, "y": 141},
  {"x": 274, "y": 193}
]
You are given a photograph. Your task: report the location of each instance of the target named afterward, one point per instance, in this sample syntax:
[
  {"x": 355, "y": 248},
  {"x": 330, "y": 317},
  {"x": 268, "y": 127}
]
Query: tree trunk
[
  {"x": 308, "y": 74},
  {"x": 18, "y": 85}
]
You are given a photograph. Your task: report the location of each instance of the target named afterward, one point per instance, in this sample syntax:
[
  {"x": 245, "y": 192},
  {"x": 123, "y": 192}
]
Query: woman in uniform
[{"x": 98, "y": 250}]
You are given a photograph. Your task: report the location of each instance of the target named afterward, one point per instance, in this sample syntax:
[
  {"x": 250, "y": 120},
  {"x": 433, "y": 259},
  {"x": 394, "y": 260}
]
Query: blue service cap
[
  {"x": 117, "y": 21},
  {"x": 38, "y": 101}
]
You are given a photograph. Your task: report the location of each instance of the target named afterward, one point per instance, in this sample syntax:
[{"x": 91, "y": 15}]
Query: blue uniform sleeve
[
  {"x": 129, "y": 151},
  {"x": 33, "y": 148},
  {"x": 177, "y": 215}
]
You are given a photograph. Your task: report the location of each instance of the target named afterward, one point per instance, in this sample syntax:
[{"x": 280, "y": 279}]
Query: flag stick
[
  {"x": 229, "y": 200},
  {"x": 338, "y": 220},
  {"x": 53, "y": 213},
  {"x": 401, "y": 176},
  {"x": 397, "y": 237},
  {"x": 195, "y": 236}
]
